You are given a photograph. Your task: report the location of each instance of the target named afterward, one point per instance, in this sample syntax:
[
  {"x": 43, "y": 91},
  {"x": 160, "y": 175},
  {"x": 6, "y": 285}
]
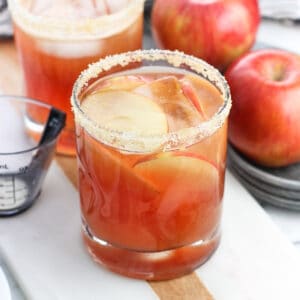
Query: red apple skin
[
  {"x": 217, "y": 31},
  {"x": 264, "y": 122}
]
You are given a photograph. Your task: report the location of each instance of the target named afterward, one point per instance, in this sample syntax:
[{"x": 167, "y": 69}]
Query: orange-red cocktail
[
  {"x": 151, "y": 142},
  {"x": 58, "y": 39}
]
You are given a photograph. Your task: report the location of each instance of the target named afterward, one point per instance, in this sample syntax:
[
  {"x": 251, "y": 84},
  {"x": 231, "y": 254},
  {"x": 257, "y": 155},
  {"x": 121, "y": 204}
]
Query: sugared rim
[
  {"x": 134, "y": 142},
  {"x": 85, "y": 28}
]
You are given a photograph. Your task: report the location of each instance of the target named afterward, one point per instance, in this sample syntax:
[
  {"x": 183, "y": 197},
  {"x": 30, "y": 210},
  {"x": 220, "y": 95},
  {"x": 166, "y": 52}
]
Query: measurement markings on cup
[{"x": 13, "y": 191}]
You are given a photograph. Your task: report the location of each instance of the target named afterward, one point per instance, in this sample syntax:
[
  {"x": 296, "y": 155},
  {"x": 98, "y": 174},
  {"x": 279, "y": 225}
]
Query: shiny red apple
[
  {"x": 264, "y": 122},
  {"x": 217, "y": 31}
]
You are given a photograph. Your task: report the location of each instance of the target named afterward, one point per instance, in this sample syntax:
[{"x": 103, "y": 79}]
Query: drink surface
[
  {"x": 51, "y": 63},
  {"x": 158, "y": 201},
  {"x": 151, "y": 101},
  {"x": 73, "y": 9}
]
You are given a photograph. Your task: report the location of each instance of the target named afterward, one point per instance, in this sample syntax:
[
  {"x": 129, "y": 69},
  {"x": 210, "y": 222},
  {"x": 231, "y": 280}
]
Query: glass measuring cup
[{"x": 25, "y": 150}]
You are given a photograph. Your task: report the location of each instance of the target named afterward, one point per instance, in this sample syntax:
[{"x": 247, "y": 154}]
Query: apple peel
[
  {"x": 126, "y": 112},
  {"x": 162, "y": 169},
  {"x": 190, "y": 93}
]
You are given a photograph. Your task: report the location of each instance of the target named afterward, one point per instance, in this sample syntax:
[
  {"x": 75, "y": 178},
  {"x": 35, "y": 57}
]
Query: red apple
[
  {"x": 264, "y": 123},
  {"x": 217, "y": 31}
]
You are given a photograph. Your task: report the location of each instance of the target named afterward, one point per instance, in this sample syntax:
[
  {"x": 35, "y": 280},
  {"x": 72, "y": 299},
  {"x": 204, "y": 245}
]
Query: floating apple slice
[
  {"x": 122, "y": 83},
  {"x": 119, "y": 205},
  {"x": 167, "y": 92},
  {"x": 126, "y": 112},
  {"x": 190, "y": 204},
  {"x": 202, "y": 92},
  {"x": 162, "y": 169}
]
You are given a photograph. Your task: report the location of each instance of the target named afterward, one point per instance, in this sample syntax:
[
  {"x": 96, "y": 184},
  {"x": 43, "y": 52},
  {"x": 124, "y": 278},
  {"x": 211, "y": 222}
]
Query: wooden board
[{"x": 188, "y": 287}]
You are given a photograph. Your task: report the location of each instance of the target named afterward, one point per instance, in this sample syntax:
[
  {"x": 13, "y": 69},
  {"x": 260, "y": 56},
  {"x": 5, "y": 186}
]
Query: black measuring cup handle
[{"x": 55, "y": 123}]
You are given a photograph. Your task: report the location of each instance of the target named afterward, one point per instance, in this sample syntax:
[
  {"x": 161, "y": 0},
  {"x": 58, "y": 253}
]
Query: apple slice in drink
[
  {"x": 201, "y": 91},
  {"x": 190, "y": 93},
  {"x": 190, "y": 206},
  {"x": 117, "y": 203},
  {"x": 122, "y": 83},
  {"x": 126, "y": 112},
  {"x": 167, "y": 92},
  {"x": 123, "y": 204}
]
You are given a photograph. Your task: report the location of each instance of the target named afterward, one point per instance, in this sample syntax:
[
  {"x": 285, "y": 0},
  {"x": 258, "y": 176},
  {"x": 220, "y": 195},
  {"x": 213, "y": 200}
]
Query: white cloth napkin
[{"x": 280, "y": 9}]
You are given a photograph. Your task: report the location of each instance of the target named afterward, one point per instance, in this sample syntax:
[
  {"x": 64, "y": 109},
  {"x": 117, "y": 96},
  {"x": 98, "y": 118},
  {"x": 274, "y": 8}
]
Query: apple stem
[{"x": 275, "y": 72}]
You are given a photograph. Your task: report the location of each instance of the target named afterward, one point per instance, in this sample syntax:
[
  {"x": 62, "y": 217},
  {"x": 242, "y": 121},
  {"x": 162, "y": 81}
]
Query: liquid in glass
[
  {"x": 149, "y": 210},
  {"x": 58, "y": 39}
]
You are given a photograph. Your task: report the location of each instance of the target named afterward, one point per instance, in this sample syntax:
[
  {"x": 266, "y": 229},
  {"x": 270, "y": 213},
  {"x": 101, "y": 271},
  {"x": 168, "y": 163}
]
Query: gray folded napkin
[
  {"x": 5, "y": 20},
  {"x": 280, "y": 9}
]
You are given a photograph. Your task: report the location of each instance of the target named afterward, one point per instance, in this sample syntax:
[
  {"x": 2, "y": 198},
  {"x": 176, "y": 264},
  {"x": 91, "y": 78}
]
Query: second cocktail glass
[
  {"x": 58, "y": 39},
  {"x": 151, "y": 139}
]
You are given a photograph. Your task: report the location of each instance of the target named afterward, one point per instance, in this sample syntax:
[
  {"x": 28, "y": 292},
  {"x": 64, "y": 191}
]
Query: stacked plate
[
  {"x": 280, "y": 9},
  {"x": 277, "y": 186}
]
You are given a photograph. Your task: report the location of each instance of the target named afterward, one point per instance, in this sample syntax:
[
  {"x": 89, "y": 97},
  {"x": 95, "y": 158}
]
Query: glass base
[{"x": 150, "y": 266}]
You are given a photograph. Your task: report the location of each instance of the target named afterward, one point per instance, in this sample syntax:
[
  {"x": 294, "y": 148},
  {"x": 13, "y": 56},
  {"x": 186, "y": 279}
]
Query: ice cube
[
  {"x": 209, "y": 97},
  {"x": 70, "y": 9},
  {"x": 70, "y": 49},
  {"x": 167, "y": 92},
  {"x": 74, "y": 9}
]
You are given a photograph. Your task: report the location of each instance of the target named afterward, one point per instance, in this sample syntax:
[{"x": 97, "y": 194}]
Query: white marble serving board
[
  {"x": 255, "y": 261},
  {"x": 4, "y": 287},
  {"x": 44, "y": 251},
  {"x": 43, "y": 248},
  {"x": 288, "y": 221}
]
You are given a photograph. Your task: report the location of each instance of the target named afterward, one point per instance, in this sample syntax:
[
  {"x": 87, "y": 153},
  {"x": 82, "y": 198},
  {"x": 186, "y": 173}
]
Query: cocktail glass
[
  {"x": 151, "y": 140},
  {"x": 58, "y": 39}
]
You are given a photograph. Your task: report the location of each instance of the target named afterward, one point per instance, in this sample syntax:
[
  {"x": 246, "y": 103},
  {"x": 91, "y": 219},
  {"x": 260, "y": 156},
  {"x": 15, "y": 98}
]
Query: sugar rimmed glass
[{"x": 133, "y": 223}]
